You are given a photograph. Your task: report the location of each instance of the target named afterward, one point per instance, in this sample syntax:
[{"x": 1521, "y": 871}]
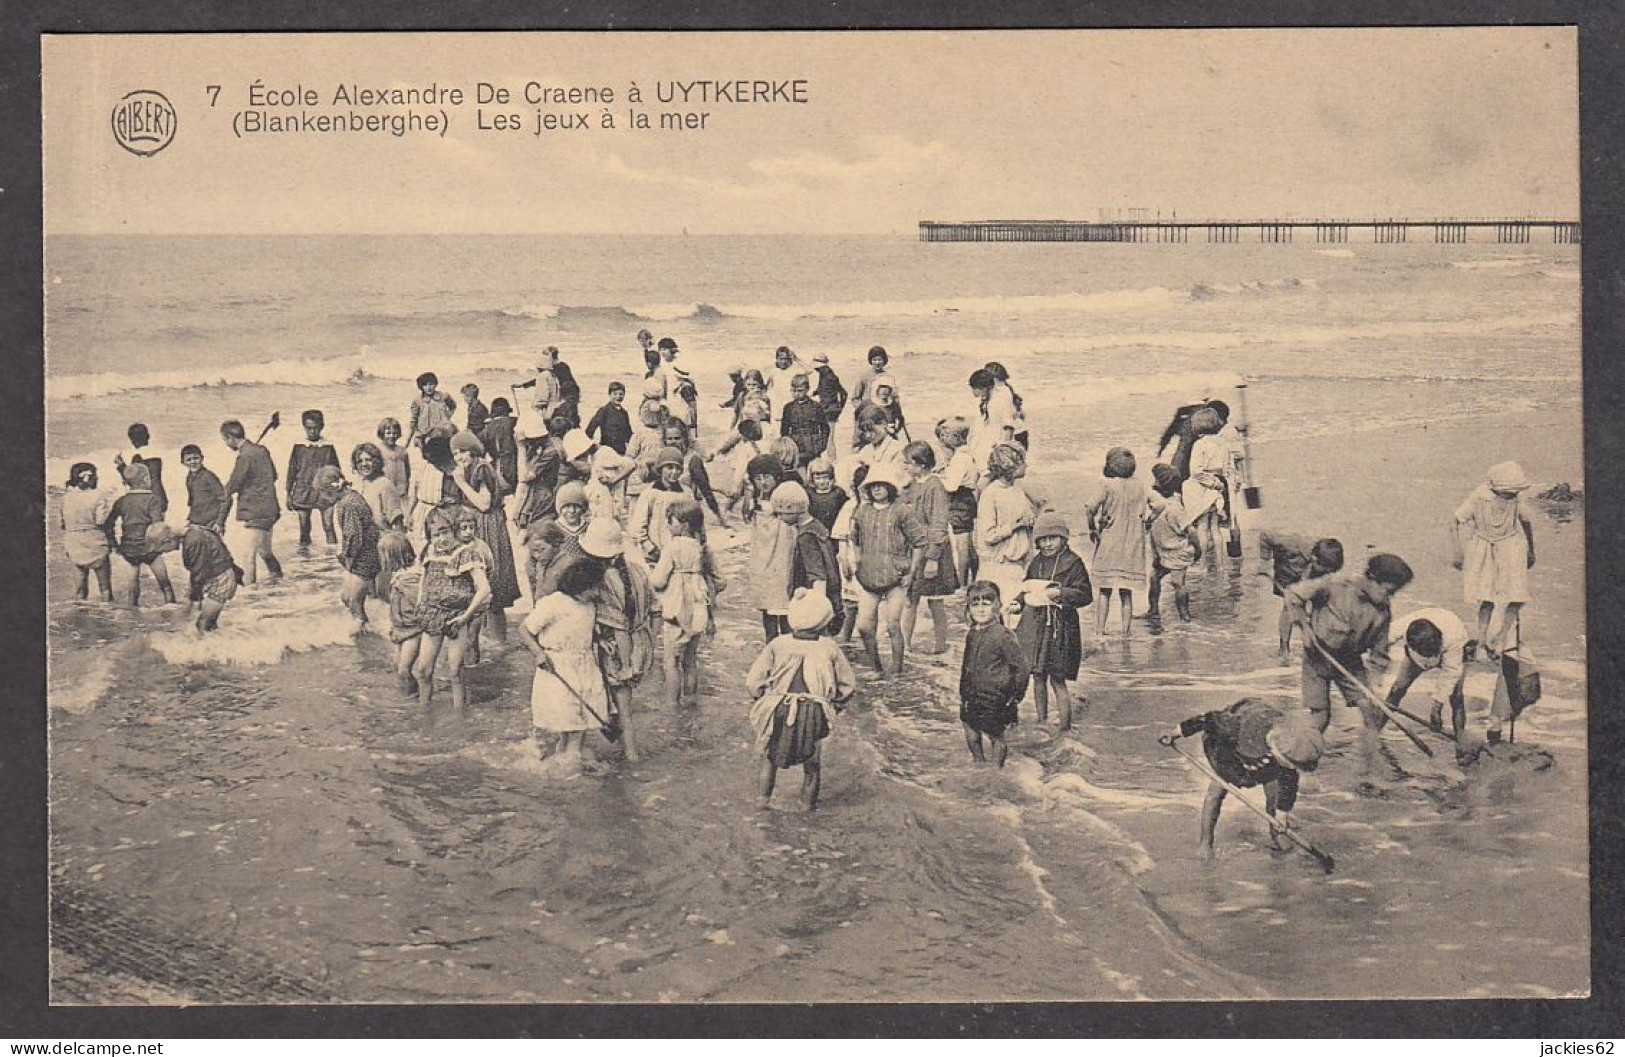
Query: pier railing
[{"x": 1324, "y": 230}]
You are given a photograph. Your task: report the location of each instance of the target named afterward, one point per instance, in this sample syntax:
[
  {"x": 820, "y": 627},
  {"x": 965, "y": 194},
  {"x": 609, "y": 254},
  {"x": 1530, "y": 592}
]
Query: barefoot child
[
  {"x": 1248, "y": 744},
  {"x": 253, "y": 487},
  {"x": 813, "y": 562},
  {"x": 889, "y": 542},
  {"x": 1495, "y": 549},
  {"x": 136, "y": 511},
  {"x": 307, "y": 457},
  {"x": 397, "y": 466},
  {"x": 688, "y": 582},
  {"x": 84, "y": 518},
  {"x": 797, "y": 681},
  {"x": 1050, "y": 631},
  {"x": 358, "y": 557},
  {"x": 1293, "y": 559},
  {"x": 214, "y": 576},
  {"x": 1117, "y": 520},
  {"x": 993, "y": 676},
  {"x": 431, "y": 605},
  {"x": 939, "y": 576},
  {"x": 1173, "y": 546},
  {"x": 567, "y": 689},
  {"x": 625, "y": 610}
]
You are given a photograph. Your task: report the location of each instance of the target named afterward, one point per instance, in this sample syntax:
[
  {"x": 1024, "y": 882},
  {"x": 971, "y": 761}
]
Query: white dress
[{"x": 564, "y": 627}]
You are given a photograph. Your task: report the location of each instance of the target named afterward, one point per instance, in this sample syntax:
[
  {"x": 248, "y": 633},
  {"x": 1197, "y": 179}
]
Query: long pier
[{"x": 1386, "y": 230}]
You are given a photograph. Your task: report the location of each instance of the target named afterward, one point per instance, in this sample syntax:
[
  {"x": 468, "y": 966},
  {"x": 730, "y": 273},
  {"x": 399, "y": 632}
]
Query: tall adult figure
[{"x": 252, "y": 489}]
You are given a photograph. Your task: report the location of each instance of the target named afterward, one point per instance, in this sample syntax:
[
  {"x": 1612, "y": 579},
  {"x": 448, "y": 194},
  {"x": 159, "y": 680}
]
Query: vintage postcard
[{"x": 815, "y": 517}]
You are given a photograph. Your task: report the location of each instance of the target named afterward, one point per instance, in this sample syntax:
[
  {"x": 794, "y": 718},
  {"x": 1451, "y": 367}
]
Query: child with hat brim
[
  {"x": 1253, "y": 743},
  {"x": 1050, "y": 631},
  {"x": 1495, "y": 549},
  {"x": 688, "y": 581},
  {"x": 799, "y": 681},
  {"x": 648, "y": 526},
  {"x": 556, "y": 541},
  {"x": 625, "y": 605},
  {"x": 889, "y": 542}
]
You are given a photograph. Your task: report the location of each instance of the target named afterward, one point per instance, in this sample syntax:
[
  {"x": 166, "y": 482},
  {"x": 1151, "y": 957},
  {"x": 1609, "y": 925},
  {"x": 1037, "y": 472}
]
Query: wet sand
[{"x": 300, "y": 815}]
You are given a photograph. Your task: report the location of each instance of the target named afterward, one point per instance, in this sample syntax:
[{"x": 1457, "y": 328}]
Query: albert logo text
[{"x": 144, "y": 122}]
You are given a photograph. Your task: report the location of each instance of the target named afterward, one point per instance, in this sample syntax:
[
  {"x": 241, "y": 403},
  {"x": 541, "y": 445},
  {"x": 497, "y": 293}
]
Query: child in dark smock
[
  {"x": 1253, "y": 743},
  {"x": 993, "y": 678},
  {"x": 1049, "y": 630},
  {"x": 799, "y": 680},
  {"x": 306, "y": 458}
]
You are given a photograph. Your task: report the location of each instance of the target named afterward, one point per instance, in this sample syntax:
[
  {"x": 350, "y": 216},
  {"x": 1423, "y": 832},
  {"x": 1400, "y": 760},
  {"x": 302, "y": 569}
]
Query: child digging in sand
[
  {"x": 993, "y": 676},
  {"x": 1253, "y": 743},
  {"x": 798, "y": 680},
  {"x": 1050, "y": 631},
  {"x": 567, "y": 693}
]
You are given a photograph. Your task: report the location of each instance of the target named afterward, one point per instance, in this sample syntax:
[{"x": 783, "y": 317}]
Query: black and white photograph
[{"x": 815, "y": 517}]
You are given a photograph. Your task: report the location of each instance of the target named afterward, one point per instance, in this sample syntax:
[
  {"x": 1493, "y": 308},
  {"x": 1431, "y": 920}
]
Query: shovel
[
  {"x": 1250, "y": 493},
  {"x": 276, "y": 420},
  {"x": 1369, "y": 693},
  {"x": 610, "y": 728}
]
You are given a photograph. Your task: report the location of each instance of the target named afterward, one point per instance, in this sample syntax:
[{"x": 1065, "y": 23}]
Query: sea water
[{"x": 269, "y": 792}]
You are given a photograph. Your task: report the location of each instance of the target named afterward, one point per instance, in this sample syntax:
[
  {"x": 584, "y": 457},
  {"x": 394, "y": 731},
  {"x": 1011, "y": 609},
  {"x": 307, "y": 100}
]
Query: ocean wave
[{"x": 1252, "y": 288}]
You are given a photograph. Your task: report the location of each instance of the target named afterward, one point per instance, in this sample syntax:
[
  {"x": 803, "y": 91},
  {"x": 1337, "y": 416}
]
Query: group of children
[{"x": 609, "y": 540}]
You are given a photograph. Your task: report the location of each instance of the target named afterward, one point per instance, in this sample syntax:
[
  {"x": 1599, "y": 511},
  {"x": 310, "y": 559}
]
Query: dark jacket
[
  {"x": 1234, "y": 741},
  {"x": 803, "y": 422},
  {"x": 613, "y": 426}
]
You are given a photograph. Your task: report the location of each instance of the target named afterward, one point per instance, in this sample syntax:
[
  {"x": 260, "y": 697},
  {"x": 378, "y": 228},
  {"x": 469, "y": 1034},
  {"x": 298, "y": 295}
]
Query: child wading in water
[
  {"x": 1495, "y": 549},
  {"x": 688, "y": 582},
  {"x": 889, "y": 541},
  {"x": 138, "y": 510},
  {"x": 1253, "y": 743},
  {"x": 993, "y": 676},
  {"x": 567, "y": 694},
  {"x": 1117, "y": 521},
  {"x": 1049, "y": 630},
  {"x": 432, "y": 604},
  {"x": 1294, "y": 558},
  {"x": 1174, "y": 549},
  {"x": 306, "y": 458},
  {"x": 797, "y": 681},
  {"x": 214, "y": 575},
  {"x": 84, "y": 519},
  {"x": 939, "y": 576}
]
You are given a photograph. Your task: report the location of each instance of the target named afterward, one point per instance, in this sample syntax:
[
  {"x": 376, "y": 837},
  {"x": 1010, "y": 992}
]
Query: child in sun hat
[
  {"x": 799, "y": 681},
  {"x": 1253, "y": 743},
  {"x": 1050, "y": 632},
  {"x": 890, "y": 545},
  {"x": 648, "y": 526},
  {"x": 1495, "y": 549},
  {"x": 993, "y": 675}
]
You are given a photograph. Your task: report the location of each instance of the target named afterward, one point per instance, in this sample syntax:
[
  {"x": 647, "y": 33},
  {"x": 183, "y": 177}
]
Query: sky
[{"x": 897, "y": 128}]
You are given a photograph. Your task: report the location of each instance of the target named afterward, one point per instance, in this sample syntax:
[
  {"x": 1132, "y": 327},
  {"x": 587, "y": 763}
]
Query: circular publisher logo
[{"x": 144, "y": 122}]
